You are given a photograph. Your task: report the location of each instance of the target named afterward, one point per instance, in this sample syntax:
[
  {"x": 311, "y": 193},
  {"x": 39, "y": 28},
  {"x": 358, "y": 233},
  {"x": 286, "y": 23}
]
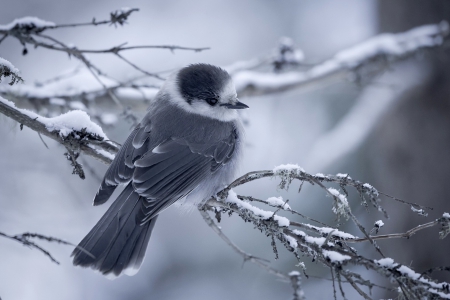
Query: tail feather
[{"x": 118, "y": 241}]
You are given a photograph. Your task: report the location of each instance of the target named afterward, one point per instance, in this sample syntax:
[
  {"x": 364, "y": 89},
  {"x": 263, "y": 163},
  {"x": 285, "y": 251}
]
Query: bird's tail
[{"x": 117, "y": 243}]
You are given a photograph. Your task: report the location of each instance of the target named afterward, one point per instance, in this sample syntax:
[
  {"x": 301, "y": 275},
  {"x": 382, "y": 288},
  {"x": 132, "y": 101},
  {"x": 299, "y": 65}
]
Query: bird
[{"x": 186, "y": 148}]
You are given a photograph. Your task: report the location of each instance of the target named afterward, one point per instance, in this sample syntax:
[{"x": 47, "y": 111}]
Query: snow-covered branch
[
  {"x": 74, "y": 130},
  {"x": 327, "y": 245},
  {"x": 358, "y": 62},
  {"x": 30, "y": 31},
  {"x": 373, "y": 56},
  {"x": 8, "y": 70}
]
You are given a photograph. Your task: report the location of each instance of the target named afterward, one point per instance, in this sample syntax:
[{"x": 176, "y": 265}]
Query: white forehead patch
[
  {"x": 228, "y": 92},
  {"x": 200, "y": 107}
]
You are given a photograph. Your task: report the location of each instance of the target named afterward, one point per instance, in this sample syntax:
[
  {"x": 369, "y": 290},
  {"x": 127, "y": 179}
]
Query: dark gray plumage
[{"x": 187, "y": 146}]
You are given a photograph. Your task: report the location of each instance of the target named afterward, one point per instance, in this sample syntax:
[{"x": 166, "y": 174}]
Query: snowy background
[{"x": 394, "y": 133}]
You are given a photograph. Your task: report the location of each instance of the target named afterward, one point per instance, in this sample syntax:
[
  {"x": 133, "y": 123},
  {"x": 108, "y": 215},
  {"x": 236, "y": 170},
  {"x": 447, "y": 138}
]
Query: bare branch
[
  {"x": 247, "y": 257},
  {"x": 24, "y": 239}
]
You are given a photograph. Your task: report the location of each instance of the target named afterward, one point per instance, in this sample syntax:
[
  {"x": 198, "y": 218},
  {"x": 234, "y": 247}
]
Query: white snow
[
  {"x": 340, "y": 207},
  {"x": 70, "y": 121},
  {"x": 333, "y": 231},
  {"x": 27, "y": 21},
  {"x": 77, "y": 105},
  {"x": 282, "y": 221},
  {"x": 232, "y": 198},
  {"x": 9, "y": 65},
  {"x": 278, "y": 201},
  {"x": 441, "y": 294},
  {"x": 379, "y": 224},
  {"x": 334, "y": 256},
  {"x": 446, "y": 215},
  {"x": 366, "y": 185},
  {"x": 104, "y": 153},
  {"x": 310, "y": 239},
  {"x": 266, "y": 80},
  {"x": 293, "y": 55},
  {"x": 79, "y": 83},
  {"x": 341, "y": 197},
  {"x": 391, "y": 44},
  {"x": 341, "y": 175},
  {"x": 65, "y": 123},
  {"x": 299, "y": 232},
  {"x": 292, "y": 242},
  {"x": 57, "y": 101},
  {"x": 390, "y": 263},
  {"x": 288, "y": 168},
  {"x": 386, "y": 262},
  {"x": 137, "y": 93},
  {"x": 420, "y": 211},
  {"x": 315, "y": 240},
  {"x": 294, "y": 273}
]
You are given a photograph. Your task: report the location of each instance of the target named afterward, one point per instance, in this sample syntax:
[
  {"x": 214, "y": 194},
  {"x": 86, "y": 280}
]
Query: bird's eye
[{"x": 212, "y": 101}]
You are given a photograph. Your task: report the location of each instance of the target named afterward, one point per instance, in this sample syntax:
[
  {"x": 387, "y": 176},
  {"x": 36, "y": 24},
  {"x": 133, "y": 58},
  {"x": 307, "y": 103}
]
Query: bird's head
[{"x": 205, "y": 90}]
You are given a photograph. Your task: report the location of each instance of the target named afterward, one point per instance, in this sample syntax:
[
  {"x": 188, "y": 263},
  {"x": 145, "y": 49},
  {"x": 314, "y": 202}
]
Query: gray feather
[
  {"x": 118, "y": 241},
  {"x": 162, "y": 161}
]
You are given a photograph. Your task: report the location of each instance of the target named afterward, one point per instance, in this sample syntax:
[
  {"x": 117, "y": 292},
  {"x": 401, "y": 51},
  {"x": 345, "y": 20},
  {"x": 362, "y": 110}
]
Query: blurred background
[{"x": 403, "y": 150}]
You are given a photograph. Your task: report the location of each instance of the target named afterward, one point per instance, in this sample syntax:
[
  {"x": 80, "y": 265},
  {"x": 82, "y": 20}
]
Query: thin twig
[
  {"x": 406, "y": 235},
  {"x": 24, "y": 240},
  {"x": 3, "y": 38},
  {"x": 42, "y": 140},
  {"x": 247, "y": 257},
  {"x": 30, "y": 244}
]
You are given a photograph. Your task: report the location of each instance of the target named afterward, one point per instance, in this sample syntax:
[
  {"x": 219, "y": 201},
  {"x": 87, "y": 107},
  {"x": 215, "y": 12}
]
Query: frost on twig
[
  {"x": 287, "y": 55},
  {"x": 74, "y": 130},
  {"x": 325, "y": 245},
  {"x": 296, "y": 285},
  {"x": 8, "y": 70}
]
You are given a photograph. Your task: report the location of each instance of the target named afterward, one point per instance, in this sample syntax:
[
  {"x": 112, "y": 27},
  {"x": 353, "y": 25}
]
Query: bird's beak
[{"x": 235, "y": 105}]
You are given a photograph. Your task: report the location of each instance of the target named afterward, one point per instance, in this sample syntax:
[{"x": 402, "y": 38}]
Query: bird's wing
[
  {"x": 175, "y": 167},
  {"x": 122, "y": 167}
]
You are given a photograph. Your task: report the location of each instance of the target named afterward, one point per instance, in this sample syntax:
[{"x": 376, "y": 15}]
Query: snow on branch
[
  {"x": 32, "y": 31},
  {"x": 374, "y": 55},
  {"x": 382, "y": 49},
  {"x": 29, "y": 31},
  {"x": 74, "y": 130},
  {"x": 329, "y": 246},
  {"x": 7, "y": 69}
]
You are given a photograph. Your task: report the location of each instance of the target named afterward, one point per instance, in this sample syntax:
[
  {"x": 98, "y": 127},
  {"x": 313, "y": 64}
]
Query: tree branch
[
  {"x": 24, "y": 239},
  {"x": 87, "y": 142},
  {"x": 329, "y": 248},
  {"x": 247, "y": 257},
  {"x": 379, "y": 51}
]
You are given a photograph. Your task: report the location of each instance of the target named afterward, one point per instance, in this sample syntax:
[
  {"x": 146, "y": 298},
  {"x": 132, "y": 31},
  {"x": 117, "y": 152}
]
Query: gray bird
[{"x": 187, "y": 148}]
